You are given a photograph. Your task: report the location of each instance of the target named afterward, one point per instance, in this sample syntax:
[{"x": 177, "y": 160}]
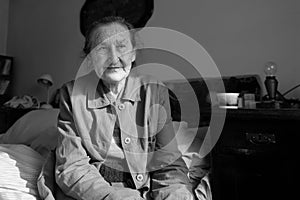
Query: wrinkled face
[{"x": 112, "y": 53}]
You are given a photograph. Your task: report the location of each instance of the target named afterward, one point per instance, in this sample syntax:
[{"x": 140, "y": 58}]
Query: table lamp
[
  {"x": 271, "y": 82},
  {"x": 46, "y": 81}
]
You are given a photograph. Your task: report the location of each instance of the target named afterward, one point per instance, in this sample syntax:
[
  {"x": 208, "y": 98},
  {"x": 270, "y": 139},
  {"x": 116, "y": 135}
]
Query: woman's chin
[{"x": 114, "y": 77}]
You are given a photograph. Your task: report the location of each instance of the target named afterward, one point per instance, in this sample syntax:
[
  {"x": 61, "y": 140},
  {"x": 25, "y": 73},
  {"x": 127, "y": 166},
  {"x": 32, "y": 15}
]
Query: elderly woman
[{"x": 117, "y": 140}]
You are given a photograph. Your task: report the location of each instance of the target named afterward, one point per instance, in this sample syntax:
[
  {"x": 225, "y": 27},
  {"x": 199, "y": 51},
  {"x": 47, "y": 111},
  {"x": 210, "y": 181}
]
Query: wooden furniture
[
  {"x": 186, "y": 94},
  {"x": 255, "y": 156},
  {"x": 8, "y": 116}
]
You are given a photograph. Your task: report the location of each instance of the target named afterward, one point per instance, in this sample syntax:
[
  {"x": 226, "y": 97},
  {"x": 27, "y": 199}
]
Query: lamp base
[
  {"x": 46, "y": 106},
  {"x": 277, "y": 97}
]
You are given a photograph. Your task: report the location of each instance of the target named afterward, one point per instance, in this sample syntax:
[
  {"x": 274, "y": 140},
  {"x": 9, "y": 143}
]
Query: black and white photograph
[{"x": 149, "y": 99}]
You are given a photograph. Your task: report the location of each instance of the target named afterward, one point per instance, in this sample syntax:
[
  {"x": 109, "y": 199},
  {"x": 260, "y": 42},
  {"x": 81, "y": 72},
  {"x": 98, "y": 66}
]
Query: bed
[{"x": 25, "y": 147}]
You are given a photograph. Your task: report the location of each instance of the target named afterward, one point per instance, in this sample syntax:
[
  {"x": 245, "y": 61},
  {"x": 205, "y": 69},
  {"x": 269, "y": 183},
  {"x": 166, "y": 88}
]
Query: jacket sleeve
[
  {"x": 169, "y": 179},
  {"x": 73, "y": 172}
]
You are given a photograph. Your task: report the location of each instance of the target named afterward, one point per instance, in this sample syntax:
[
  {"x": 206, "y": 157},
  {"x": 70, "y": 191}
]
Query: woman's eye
[
  {"x": 121, "y": 46},
  {"x": 101, "y": 48}
]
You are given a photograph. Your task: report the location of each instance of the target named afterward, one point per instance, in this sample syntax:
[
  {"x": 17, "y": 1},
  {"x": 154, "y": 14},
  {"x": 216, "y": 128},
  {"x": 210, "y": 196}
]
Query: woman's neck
[{"x": 115, "y": 88}]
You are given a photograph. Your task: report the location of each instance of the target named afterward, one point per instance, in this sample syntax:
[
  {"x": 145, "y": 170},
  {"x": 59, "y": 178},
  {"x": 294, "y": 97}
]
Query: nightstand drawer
[
  {"x": 246, "y": 138},
  {"x": 255, "y": 156}
]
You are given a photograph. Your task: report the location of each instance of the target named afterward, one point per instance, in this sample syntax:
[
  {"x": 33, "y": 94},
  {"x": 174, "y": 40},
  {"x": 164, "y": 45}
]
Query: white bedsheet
[{"x": 19, "y": 166}]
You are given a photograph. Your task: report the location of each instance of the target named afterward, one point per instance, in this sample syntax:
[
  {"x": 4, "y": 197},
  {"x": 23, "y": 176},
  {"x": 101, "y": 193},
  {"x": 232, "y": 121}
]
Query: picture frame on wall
[
  {"x": 3, "y": 86},
  {"x": 5, "y": 65},
  {"x": 5, "y": 73}
]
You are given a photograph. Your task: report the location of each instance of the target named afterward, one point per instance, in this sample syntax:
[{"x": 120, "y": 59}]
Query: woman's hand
[{"x": 124, "y": 194}]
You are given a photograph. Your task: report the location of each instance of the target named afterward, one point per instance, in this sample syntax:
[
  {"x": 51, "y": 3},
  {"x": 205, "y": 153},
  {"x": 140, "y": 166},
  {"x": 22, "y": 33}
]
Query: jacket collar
[{"x": 98, "y": 97}]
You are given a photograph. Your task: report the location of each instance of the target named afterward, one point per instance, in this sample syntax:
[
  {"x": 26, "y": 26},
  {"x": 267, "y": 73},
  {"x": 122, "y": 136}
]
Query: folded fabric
[
  {"x": 203, "y": 190},
  {"x": 19, "y": 166},
  {"x": 23, "y": 102}
]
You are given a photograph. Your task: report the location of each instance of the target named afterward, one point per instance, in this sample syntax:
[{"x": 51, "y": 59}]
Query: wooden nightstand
[
  {"x": 8, "y": 116},
  {"x": 256, "y": 155}
]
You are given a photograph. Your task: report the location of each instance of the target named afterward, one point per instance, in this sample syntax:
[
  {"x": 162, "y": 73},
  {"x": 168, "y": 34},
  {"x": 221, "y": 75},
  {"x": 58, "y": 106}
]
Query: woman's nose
[{"x": 114, "y": 55}]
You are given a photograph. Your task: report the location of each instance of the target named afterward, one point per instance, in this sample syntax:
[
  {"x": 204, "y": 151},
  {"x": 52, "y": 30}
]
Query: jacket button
[
  {"x": 121, "y": 106},
  {"x": 127, "y": 140},
  {"x": 139, "y": 177}
]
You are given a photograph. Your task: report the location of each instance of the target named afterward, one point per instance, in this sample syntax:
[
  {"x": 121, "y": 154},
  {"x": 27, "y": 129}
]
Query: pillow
[
  {"x": 190, "y": 142},
  {"x": 37, "y": 129},
  {"x": 20, "y": 166}
]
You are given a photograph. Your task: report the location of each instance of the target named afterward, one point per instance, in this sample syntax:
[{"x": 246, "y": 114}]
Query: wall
[
  {"x": 240, "y": 36},
  {"x": 44, "y": 37},
  {"x": 4, "y": 10}
]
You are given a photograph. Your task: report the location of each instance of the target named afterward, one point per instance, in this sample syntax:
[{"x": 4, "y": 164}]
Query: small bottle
[{"x": 240, "y": 102}]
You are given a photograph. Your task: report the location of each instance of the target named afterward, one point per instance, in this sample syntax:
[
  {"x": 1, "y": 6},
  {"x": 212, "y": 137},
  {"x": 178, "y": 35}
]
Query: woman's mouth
[{"x": 114, "y": 68}]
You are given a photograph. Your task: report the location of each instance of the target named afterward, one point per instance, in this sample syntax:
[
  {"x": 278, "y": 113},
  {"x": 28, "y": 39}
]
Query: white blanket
[{"x": 20, "y": 166}]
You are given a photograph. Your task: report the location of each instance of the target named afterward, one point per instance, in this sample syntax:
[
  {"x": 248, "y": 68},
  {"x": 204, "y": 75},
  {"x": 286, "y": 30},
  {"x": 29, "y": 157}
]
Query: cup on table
[{"x": 227, "y": 99}]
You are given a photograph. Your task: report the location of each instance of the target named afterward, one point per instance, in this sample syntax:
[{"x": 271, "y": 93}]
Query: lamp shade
[{"x": 45, "y": 80}]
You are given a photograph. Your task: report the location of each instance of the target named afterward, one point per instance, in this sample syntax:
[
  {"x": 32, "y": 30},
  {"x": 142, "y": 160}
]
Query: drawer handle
[
  {"x": 241, "y": 151},
  {"x": 259, "y": 138}
]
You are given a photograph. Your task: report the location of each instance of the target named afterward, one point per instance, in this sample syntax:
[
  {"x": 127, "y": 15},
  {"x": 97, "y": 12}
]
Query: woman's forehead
[{"x": 111, "y": 32}]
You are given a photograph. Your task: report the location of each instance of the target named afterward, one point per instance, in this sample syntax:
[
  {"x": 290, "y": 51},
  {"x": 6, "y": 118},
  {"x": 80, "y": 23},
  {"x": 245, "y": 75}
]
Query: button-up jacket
[{"x": 86, "y": 122}]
